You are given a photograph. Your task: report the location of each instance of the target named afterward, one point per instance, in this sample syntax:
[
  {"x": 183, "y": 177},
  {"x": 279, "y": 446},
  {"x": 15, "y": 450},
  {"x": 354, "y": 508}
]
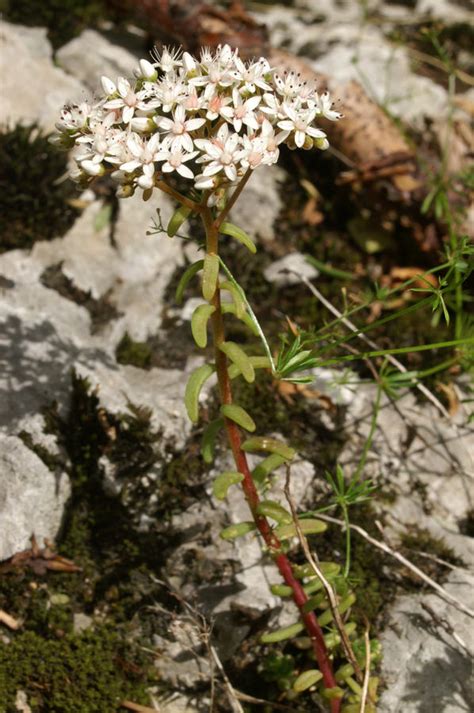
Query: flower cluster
[{"x": 210, "y": 119}]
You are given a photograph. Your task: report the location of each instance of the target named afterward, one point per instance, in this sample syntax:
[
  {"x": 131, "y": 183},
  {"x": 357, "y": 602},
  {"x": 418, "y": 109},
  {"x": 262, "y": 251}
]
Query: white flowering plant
[{"x": 214, "y": 120}]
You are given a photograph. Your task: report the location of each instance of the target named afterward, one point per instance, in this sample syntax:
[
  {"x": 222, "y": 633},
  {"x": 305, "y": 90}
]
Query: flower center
[
  {"x": 178, "y": 128},
  {"x": 300, "y": 125},
  {"x": 175, "y": 160},
  {"x": 130, "y": 99},
  {"x": 226, "y": 158}
]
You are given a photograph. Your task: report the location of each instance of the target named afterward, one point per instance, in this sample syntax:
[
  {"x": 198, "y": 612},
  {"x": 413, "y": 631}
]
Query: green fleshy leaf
[
  {"x": 344, "y": 672},
  {"x": 271, "y": 445},
  {"x": 209, "y": 439},
  {"x": 332, "y": 693},
  {"x": 282, "y": 634},
  {"x": 281, "y": 590},
  {"x": 177, "y": 219},
  {"x": 186, "y": 277},
  {"x": 193, "y": 390},
  {"x": 342, "y": 607},
  {"x": 237, "y": 530},
  {"x": 307, "y": 679},
  {"x": 239, "y": 416},
  {"x": 199, "y": 322},
  {"x": 223, "y": 482},
  {"x": 228, "y": 308},
  {"x": 235, "y": 232},
  {"x": 258, "y": 362},
  {"x": 237, "y": 355},
  {"x": 329, "y": 569},
  {"x": 267, "y": 465},
  {"x": 210, "y": 275},
  {"x": 270, "y": 508},
  {"x": 314, "y": 602},
  {"x": 239, "y": 303},
  {"x": 308, "y": 527}
]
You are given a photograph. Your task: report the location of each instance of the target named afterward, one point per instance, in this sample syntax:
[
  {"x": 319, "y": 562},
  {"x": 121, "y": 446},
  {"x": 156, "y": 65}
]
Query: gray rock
[
  {"x": 31, "y": 497},
  {"x": 92, "y": 55},
  {"x": 33, "y": 88},
  {"x": 424, "y": 667},
  {"x": 282, "y": 271},
  {"x": 260, "y": 203}
]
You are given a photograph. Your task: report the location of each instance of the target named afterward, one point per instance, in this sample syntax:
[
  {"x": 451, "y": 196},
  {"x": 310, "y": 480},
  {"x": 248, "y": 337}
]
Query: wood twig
[
  {"x": 9, "y": 620},
  {"x": 231, "y": 692},
  {"x": 365, "y": 687},
  {"x": 454, "y": 601},
  {"x": 131, "y": 706}
]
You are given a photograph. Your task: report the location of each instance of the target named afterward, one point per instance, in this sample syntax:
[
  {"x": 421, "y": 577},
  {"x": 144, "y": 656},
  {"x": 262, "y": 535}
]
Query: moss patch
[
  {"x": 93, "y": 671},
  {"x": 35, "y": 204}
]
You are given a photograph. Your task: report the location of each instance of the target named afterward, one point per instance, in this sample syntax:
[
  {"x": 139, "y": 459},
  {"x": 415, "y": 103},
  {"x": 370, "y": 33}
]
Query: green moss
[
  {"x": 50, "y": 460},
  {"x": 35, "y": 204},
  {"x": 92, "y": 671},
  {"x": 418, "y": 540},
  {"x": 135, "y": 353}
]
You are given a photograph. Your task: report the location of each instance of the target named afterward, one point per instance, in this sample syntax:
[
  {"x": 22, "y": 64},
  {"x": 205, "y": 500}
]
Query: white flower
[
  {"x": 175, "y": 160},
  {"x": 168, "y": 59},
  {"x": 288, "y": 86},
  {"x": 144, "y": 153},
  {"x": 252, "y": 76},
  {"x": 178, "y": 129},
  {"x": 220, "y": 154},
  {"x": 215, "y": 106},
  {"x": 243, "y": 112},
  {"x": 324, "y": 106},
  {"x": 299, "y": 122},
  {"x": 74, "y": 117},
  {"x": 170, "y": 91},
  {"x": 128, "y": 101},
  {"x": 216, "y": 71},
  {"x": 95, "y": 145}
]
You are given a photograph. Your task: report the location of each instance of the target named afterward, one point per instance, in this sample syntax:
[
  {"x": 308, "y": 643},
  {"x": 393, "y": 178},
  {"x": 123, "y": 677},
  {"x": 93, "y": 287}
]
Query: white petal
[
  {"x": 300, "y": 138},
  {"x": 130, "y": 166},
  {"x": 127, "y": 114},
  {"x": 185, "y": 171},
  {"x": 230, "y": 172},
  {"x": 107, "y": 85},
  {"x": 123, "y": 86},
  {"x": 193, "y": 124}
]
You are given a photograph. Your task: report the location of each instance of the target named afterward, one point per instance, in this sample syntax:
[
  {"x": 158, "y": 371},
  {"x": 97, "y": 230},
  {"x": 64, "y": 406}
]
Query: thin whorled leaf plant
[{"x": 214, "y": 120}]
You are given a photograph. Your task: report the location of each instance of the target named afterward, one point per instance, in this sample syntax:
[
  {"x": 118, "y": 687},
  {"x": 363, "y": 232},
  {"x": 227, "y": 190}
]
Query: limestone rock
[
  {"x": 92, "y": 55},
  {"x": 282, "y": 271},
  {"x": 260, "y": 203},
  {"x": 33, "y": 88},
  {"x": 424, "y": 666},
  {"x": 31, "y": 497}
]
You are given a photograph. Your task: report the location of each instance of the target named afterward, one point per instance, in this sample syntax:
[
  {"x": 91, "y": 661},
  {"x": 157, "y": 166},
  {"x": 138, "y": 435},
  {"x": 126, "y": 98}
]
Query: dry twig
[
  {"x": 373, "y": 345},
  {"x": 9, "y": 620},
  {"x": 329, "y": 590},
  {"x": 365, "y": 687},
  {"x": 405, "y": 562}
]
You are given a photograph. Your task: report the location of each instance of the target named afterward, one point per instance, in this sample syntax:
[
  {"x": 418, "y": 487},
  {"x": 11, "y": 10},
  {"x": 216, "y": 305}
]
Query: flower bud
[
  {"x": 108, "y": 86},
  {"x": 92, "y": 169},
  {"x": 147, "y": 70},
  {"x": 142, "y": 124},
  {"x": 188, "y": 63},
  {"x": 322, "y": 144}
]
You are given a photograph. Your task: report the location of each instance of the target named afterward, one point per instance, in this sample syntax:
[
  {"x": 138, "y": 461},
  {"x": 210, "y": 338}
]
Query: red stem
[{"x": 250, "y": 491}]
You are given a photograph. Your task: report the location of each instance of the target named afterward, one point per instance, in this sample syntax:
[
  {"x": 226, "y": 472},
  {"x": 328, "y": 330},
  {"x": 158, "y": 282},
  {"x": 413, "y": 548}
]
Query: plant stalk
[{"x": 250, "y": 491}]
